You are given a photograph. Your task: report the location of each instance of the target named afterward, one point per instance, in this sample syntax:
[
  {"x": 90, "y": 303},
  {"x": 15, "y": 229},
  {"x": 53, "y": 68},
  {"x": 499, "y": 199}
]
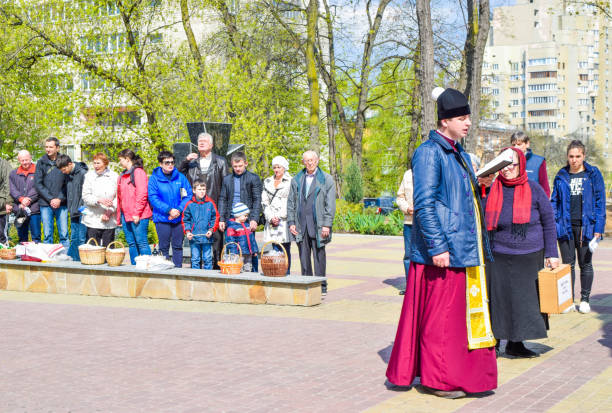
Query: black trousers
[
  {"x": 3, "y": 226},
  {"x": 217, "y": 246},
  {"x": 102, "y": 236},
  {"x": 569, "y": 250},
  {"x": 307, "y": 247}
]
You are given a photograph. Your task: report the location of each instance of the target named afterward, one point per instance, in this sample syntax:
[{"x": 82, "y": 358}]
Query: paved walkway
[{"x": 82, "y": 354}]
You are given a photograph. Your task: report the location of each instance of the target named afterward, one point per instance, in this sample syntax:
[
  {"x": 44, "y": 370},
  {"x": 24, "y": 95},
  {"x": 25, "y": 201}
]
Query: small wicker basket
[
  {"x": 231, "y": 268},
  {"x": 115, "y": 257},
  {"x": 8, "y": 252},
  {"x": 274, "y": 265},
  {"x": 92, "y": 256}
]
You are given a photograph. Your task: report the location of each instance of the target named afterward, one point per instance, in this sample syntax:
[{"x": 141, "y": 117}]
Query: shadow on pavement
[
  {"x": 397, "y": 282},
  {"x": 603, "y": 314},
  {"x": 537, "y": 347},
  {"x": 385, "y": 353}
]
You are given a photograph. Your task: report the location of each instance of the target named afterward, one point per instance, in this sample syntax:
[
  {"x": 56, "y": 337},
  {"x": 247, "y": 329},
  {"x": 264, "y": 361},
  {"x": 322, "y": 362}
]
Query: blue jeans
[
  {"x": 47, "y": 214},
  {"x": 78, "y": 236},
  {"x": 137, "y": 238},
  {"x": 171, "y": 233},
  {"x": 31, "y": 226},
  {"x": 407, "y": 235},
  {"x": 201, "y": 251}
]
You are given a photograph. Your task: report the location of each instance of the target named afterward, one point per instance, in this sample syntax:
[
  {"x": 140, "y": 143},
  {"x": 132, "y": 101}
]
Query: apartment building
[{"x": 545, "y": 67}]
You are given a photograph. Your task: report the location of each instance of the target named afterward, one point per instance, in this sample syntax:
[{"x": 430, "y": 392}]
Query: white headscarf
[{"x": 281, "y": 161}]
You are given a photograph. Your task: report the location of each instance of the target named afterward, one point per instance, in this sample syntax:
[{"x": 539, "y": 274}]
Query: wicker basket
[
  {"x": 92, "y": 256},
  {"x": 274, "y": 265},
  {"x": 115, "y": 257},
  {"x": 231, "y": 268},
  {"x": 8, "y": 252}
]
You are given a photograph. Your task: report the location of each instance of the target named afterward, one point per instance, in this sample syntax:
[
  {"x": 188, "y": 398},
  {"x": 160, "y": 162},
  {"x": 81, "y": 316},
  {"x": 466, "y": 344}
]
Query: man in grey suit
[{"x": 310, "y": 214}]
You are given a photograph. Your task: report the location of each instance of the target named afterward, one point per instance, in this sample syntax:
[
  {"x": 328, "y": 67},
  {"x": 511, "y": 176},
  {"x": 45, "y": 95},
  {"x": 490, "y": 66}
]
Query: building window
[
  {"x": 546, "y": 112},
  {"x": 542, "y": 125},
  {"x": 495, "y": 92},
  {"x": 495, "y": 66},
  {"x": 541, "y": 99},
  {"x": 514, "y": 90},
  {"x": 515, "y": 67},
  {"x": 542, "y": 61},
  {"x": 543, "y": 86},
  {"x": 543, "y": 74}
]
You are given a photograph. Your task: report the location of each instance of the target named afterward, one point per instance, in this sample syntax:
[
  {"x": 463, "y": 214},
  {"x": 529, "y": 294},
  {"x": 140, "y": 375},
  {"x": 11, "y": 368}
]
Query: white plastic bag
[
  {"x": 153, "y": 263},
  {"x": 44, "y": 252}
]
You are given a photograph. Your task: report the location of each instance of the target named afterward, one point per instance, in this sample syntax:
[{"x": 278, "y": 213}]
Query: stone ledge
[{"x": 176, "y": 284}]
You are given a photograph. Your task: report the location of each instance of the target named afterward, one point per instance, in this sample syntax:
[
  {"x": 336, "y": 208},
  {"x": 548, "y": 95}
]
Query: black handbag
[{"x": 262, "y": 216}]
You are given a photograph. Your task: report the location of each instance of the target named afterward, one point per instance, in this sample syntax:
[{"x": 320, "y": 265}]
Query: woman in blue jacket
[
  {"x": 579, "y": 202},
  {"x": 169, "y": 192}
]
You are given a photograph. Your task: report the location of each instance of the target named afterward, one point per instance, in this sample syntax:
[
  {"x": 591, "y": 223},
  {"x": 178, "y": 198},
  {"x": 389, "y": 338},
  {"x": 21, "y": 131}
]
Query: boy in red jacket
[{"x": 200, "y": 221}]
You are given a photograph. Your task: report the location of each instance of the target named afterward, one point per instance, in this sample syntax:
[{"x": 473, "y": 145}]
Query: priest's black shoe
[
  {"x": 454, "y": 394},
  {"x": 518, "y": 349}
]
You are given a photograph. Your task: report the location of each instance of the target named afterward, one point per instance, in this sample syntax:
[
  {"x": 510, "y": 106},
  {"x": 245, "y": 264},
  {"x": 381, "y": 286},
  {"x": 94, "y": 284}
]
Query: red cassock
[{"x": 431, "y": 340}]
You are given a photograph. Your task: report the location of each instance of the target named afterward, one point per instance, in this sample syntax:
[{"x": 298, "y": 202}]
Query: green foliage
[
  {"x": 367, "y": 221},
  {"x": 354, "y": 183},
  {"x": 392, "y": 134},
  {"x": 151, "y": 235}
]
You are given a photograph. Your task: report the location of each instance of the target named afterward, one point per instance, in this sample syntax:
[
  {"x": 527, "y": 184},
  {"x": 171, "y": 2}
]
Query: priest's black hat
[{"x": 451, "y": 103}]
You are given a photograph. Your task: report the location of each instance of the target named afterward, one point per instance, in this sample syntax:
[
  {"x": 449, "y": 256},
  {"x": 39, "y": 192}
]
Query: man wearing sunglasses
[{"x": 169, "y": 192}]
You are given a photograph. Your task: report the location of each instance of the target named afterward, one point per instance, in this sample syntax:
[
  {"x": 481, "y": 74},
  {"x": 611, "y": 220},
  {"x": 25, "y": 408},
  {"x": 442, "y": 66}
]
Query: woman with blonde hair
[
  {"x": 100, "y": 199},
  {"x": 274, "y": 203}
]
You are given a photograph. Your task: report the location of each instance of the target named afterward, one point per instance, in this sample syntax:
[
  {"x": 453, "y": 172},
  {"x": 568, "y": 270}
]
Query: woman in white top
[
  {"x": 274, "y": 204},
  {"x": 100, "y": 199}
]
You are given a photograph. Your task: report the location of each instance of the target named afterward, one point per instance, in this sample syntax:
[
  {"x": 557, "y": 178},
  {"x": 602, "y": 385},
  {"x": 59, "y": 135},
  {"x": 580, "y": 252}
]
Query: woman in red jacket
[{"x": 133, "y": 210}]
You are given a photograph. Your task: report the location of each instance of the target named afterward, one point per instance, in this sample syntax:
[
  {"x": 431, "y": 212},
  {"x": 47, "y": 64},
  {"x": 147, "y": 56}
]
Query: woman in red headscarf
[{"x": 521, "y": 225}]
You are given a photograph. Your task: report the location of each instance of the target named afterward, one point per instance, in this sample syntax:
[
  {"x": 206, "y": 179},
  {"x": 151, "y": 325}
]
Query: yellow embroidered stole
[{"x": 479, "y": 332}]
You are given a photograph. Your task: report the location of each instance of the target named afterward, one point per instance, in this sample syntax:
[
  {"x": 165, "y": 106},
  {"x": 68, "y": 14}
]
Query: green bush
[
  {"x": 367, "y": 221},
  {"x": 151, "y": 235},
  {"x": 354, "y": 183}
]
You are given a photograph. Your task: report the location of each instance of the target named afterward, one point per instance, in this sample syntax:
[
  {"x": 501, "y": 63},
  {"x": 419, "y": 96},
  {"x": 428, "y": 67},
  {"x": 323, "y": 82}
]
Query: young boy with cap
[
  {"x": 443, "y": 337},
  {"x": 241, "y": 234}
]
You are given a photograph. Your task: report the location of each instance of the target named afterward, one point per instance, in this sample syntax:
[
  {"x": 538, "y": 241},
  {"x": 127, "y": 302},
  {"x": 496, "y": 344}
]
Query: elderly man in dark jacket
[
  {"x": 311, "y": 207},
  {"x": 75, "y": 176},
  {"x": 240, "y": 186},
  {"x": 211, "y": 168},
  {"x": 5, "y": 198},
  {"x": 51, "y": 188},
  {"x": 25, "y": 198}
]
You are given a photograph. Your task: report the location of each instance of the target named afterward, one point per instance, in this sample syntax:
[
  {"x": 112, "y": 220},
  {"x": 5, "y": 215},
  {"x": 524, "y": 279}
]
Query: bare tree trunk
[
  {"x": 191, "y": 40},
  {"x": 425, "y": 72},
  {"x": 415, "y": 120},
  {"x": 475, "y": 42},
  {"x": 312, "y": 16},
  {"x": 331, "y": 133}
]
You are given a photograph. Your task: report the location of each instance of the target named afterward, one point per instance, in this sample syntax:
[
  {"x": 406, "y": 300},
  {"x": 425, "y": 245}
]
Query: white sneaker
[{"x": 584, "y": 307}]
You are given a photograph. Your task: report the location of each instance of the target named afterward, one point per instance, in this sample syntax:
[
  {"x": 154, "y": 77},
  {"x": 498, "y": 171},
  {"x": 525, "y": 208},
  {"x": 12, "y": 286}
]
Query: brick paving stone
[{"x": 84, "y": 354}]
